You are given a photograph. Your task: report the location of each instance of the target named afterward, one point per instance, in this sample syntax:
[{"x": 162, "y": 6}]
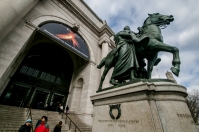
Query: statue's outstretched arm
[
  {"x": 134, "y": 37},
  {"x": 122, "y": 33}
]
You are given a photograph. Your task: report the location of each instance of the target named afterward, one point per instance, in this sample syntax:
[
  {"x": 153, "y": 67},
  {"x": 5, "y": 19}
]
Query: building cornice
[
  {"x": 75, "y": 10},
  {"x": 92, "y": 11},
  {"x": 106, "y": 29}
]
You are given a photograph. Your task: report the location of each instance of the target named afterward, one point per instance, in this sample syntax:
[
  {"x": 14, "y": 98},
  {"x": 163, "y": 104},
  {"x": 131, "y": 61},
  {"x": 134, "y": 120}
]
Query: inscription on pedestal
[
  {"x": 184, "y": 115},
  {"x": 120, "y": 123}
]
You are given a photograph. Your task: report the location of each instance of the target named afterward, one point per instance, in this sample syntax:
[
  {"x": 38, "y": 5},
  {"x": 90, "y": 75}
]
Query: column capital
[{"x": 104, "y": 39}]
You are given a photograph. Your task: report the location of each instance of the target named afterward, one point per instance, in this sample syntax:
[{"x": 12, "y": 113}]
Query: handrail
[
  {"x": 29, "y": 115},
  {"x": 70, "y": 122},
  {"x": 21, "y": 103}
]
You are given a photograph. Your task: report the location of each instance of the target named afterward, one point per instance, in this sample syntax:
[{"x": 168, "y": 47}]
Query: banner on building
[{"x": 67, "y": 37}]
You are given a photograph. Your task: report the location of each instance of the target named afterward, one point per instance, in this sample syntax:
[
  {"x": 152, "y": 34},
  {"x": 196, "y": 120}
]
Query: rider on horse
[{"x": 126, "y": 62}]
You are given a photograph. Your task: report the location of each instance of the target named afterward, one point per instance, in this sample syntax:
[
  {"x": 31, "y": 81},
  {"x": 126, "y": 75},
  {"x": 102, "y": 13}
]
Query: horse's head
[{"x": 159, "y": 19}]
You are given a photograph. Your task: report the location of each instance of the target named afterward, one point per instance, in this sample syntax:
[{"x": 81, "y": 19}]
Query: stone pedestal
[{"x": 145, "y": 107}]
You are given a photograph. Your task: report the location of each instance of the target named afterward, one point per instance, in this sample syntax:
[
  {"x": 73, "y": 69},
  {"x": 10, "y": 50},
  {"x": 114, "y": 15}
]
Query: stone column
[
  {"x": 11, "y": 9},
  {"x": 104, "y": 53}
]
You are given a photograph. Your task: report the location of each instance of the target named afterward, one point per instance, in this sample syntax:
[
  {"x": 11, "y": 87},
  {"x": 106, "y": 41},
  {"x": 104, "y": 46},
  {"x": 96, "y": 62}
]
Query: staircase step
[{"x": 12, "y": 118}]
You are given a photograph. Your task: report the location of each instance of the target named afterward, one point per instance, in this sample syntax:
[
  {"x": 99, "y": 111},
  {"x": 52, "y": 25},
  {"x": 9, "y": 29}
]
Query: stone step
[
  {"x": 18, "y": 129},
  {"x": 10, "y": 121},
  {"x": 53, "y": 120},
  {"x": 18, "y": 126},
  {"x": 18, "y": 116},
  {"x": 13, "y": 117},
  {"x": 17, "y": 110},
  {"x": 7, "y": 107},
  {"x": 49, "y": 117},
  {"x": 12, "y": 112}
]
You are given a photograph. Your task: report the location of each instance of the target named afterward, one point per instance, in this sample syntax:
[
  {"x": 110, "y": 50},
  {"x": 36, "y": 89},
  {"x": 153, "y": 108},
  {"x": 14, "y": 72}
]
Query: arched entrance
[
  {"x": 43, "y": 76},
  {"x": 54, "y": 51}
]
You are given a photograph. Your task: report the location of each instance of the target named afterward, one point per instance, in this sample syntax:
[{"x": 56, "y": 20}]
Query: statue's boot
[
  {"x": 141, "y": 43},
  {"x": 113, "y": 82},
  {"x": 121, "y": 81}
]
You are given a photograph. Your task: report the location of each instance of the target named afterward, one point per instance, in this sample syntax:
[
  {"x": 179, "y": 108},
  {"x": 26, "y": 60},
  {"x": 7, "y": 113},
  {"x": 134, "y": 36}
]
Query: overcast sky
[{"x": 183, "y": 32}]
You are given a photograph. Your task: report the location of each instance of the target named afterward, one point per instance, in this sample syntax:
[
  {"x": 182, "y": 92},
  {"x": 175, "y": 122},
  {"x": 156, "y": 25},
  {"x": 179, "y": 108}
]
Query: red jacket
[{"x": 42, "y": 127}]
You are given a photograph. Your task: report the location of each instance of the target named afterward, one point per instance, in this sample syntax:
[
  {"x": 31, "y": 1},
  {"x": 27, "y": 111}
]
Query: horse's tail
[{"x": 102, "y": 63}]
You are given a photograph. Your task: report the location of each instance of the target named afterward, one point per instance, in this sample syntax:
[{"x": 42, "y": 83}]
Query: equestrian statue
[{"x": 128, "y": 58}]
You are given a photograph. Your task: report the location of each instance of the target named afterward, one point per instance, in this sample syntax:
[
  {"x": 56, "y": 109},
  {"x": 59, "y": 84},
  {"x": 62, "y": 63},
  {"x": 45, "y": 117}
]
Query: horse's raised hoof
[
  {"x": 113, "y": 82},
  {"x": 175, "y": 71}
]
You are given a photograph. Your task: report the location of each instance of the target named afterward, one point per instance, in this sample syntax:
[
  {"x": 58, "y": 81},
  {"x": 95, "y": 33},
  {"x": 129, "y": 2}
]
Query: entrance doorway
[
  {"x": 15, "y": 96},
  {"x": 39, "y": 100},
  {"x": 58, "y": 98},
  {"x": 47, "y": 67}
]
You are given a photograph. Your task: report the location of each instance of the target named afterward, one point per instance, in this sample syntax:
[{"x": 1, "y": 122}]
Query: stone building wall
[{"x": 22, "y": 21}]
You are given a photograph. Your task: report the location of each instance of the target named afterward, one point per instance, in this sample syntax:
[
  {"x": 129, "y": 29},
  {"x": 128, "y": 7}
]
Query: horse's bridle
[{"x": 161, "y": 23}]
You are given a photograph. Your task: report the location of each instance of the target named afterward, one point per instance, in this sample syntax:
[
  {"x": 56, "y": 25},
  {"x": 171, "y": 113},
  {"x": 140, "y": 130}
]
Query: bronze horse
[{"x": 151, "y": 29}]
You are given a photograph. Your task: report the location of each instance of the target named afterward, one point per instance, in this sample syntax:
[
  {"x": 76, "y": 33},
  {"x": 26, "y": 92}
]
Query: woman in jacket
[
  {"x": 26, "y": 127},
  {"x": 42, "y": 125},
  {"x": 58, "y": 127}
]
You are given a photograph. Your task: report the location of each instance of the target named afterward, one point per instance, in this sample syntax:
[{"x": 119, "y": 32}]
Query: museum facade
[{"x": 49, "y": 51}]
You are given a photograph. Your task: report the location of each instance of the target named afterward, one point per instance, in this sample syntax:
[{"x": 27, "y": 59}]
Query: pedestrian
[
  {"x": 26, "y": 127},
  {"x": 60, "y": 108},
  {"x": 67, "y": 109},
  {"x": 40, "y": 105},
  {"x": 57, "y": 107},
  {"x": 42, "y": 125},
  {"x": 58, "y": 127}
]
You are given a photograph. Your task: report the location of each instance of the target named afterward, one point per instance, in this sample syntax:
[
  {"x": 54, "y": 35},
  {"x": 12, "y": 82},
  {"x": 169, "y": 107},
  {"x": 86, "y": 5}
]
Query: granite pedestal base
[{"x": 144, "y": 107}]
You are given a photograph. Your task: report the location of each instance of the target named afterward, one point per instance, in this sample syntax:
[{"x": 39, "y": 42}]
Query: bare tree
[{"x": 193, "y": 104}]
